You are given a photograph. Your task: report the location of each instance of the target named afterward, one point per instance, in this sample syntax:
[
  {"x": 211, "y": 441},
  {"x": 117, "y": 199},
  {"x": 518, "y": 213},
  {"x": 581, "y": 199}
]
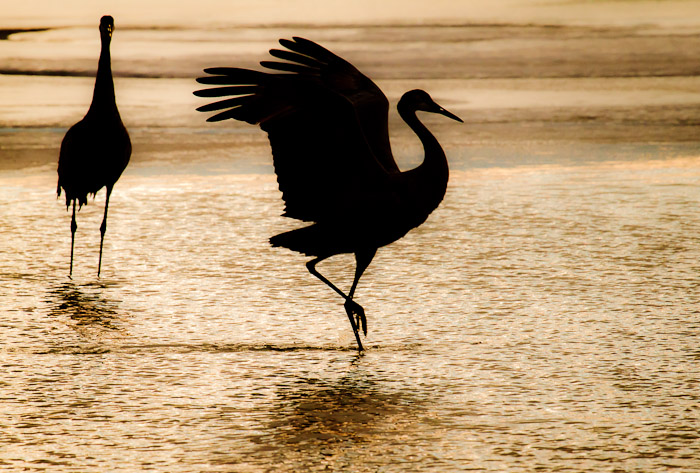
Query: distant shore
[
  {"x": 5, "y": 33},
  {"x": 528, "y": 89},
  {"x": 484, "y": 145}
]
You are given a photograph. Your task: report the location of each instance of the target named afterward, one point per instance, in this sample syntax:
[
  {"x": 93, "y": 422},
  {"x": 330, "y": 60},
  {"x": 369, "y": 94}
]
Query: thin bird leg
[
  {"x": 311, "y": 266},
  {"x": 362, "y": 261},
  {"x": 103, "y": 229},
  {"x": 73, "y": 228}
]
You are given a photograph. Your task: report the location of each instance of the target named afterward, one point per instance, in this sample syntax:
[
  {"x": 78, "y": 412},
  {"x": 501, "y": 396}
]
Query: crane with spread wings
[{"x": 327, "y": 124}]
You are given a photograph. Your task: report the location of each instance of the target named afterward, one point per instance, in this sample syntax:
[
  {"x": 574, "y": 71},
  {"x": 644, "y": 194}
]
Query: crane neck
[
  {"x": 427, "y": 182},
  {"x": 103, "y": 96},
  {"x": 435, "y": 160}
]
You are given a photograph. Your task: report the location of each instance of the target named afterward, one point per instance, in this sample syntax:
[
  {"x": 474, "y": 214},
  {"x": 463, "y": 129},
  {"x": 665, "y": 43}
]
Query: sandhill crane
[
  {"x": 328, "y": 128},
  {"x": 96, "y": 150}
]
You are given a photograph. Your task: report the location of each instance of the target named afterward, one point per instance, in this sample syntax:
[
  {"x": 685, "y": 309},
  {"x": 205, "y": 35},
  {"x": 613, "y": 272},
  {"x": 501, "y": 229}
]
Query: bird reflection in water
[
  {"x": 323, "y": 422},
  {"x": 85, "y": 311}
]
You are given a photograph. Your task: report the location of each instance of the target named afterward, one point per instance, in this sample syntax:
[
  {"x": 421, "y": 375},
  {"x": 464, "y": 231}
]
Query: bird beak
[{"x": 451, "y": 115}]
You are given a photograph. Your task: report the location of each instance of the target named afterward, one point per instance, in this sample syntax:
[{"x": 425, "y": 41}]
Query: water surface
[{"x": 545, "y": 317}]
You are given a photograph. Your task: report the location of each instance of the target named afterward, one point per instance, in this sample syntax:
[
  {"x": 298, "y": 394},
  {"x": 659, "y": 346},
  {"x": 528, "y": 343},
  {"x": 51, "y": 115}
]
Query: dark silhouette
[
  {"x": 328, "y": 128},
  {"x": 96, "y": 150}
]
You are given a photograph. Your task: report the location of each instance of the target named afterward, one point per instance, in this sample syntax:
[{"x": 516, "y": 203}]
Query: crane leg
[
  {"x": 311, "y": 266},
  {"x": 103, "y": 229},
  {"x": 73, "y": 228},
  {"x": 362, "y": 261}
]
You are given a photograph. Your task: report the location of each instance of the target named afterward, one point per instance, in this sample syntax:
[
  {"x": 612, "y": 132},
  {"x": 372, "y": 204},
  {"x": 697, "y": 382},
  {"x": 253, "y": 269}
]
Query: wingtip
[
  {"x": 295, "y": 40},
  {"x": 304, "y": 41}
]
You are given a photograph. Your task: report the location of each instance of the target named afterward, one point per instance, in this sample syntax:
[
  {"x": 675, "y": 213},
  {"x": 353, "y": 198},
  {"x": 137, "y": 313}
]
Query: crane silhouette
[
  {"x": 96, "y": 150},
  {"x": 327, "y": 124}
]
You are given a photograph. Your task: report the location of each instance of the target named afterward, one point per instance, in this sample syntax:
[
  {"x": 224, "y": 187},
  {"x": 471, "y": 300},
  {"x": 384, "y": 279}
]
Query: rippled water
[{"x": 545, "y": 317}]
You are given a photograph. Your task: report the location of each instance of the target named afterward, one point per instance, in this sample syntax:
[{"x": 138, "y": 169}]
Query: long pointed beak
[{"x": 451, "y": 115}]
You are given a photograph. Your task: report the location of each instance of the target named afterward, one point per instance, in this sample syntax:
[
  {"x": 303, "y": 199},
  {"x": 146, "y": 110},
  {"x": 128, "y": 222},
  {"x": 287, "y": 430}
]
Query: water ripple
[{"x": 542, "y": 319}]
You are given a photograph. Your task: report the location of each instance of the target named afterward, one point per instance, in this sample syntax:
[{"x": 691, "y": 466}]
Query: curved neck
[
  {"x": 103, "y": 95},
  {"x": 434, "y": 160},
  {"x": 429, "y": 180}
]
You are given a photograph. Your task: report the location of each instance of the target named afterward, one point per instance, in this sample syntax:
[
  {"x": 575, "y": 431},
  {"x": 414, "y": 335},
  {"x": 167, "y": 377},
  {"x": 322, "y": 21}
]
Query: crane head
[
  {"x": 106, "y": 26},
  {"x": 418, "y": 99}
]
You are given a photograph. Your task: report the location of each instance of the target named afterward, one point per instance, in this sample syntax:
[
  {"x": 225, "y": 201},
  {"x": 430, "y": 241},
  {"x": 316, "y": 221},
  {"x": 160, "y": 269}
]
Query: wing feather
[
  {"x": 325, "y": 167},
  {"x": 295, "y": 57},
  {"x": 287, "y": 67},
  {"x": 370, "y": 103},
  {"x": 228, "y": 103}
]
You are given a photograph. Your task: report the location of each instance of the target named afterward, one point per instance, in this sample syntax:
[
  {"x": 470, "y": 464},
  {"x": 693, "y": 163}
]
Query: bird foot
[{"x": 356, "y": 311}]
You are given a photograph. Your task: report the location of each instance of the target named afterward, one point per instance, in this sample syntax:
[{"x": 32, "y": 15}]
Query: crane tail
[{"x": 309, "y": 241}]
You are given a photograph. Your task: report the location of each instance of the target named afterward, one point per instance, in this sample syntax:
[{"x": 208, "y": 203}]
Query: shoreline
[
  {"x": 37, "y": 149},
  {"x": 5, "y": 33}
]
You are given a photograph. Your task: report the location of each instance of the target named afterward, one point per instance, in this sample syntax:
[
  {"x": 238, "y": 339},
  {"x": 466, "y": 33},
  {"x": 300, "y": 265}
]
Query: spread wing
[
  {"x": 371, "y": 105},
  {"x": 325, "y": 165}
]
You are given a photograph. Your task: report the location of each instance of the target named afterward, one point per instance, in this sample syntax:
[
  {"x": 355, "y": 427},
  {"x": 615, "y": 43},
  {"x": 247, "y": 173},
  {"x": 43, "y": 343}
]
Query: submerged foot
[{"x": 356, "y": 311}]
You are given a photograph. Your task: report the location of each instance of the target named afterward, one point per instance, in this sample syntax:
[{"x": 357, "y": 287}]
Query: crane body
[
  {"x": 96, "y": 150},
  {"x": 327, "y": 124}
]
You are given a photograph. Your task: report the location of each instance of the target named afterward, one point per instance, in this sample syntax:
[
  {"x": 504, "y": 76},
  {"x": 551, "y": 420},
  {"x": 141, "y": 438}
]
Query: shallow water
[{"x": 545, "y": 317}]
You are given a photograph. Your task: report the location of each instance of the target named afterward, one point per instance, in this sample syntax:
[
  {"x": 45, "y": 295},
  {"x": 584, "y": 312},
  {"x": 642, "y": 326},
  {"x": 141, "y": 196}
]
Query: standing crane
[
  {"x": 328, "y": 129},
  {"x": 96, "y": 150}
]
